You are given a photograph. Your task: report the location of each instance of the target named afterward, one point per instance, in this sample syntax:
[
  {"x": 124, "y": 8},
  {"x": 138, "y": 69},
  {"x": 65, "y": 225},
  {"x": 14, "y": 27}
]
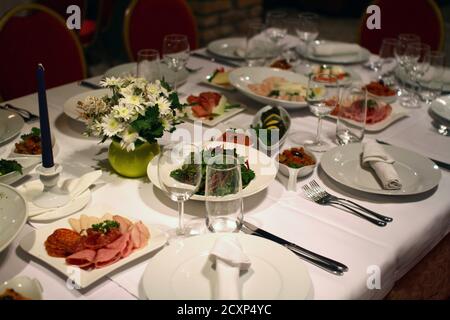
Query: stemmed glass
[
  {"x": 308, "y": 29},
  {"x": 276, "y": 27},
  {"x": 386, "y": 57},
  {"x": 416, "y": 64},
  {"x": 175, "y": 53},
  {"x": 180, "y": 175},
  {"x": 431, "y": 82},
  {"x": 148, "y": 64},
  {"x": 223, "y": 185},
  {"x": 399, "y": 52}
]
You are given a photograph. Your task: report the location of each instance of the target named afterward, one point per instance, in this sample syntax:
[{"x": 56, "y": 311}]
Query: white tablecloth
[{"x": 420, "y": 222}]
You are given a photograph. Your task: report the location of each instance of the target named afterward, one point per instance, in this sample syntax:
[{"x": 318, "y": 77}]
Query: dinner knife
[
  {"x": 89, "y": 85},
  {"x": 215, "y": 59},
  {"x": 325, "y": 263},
  {"x": 437, "y": 162}
]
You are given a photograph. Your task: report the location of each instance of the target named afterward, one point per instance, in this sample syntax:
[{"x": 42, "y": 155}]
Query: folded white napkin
[
  {"x": 382, "y": 163},
  {"x": 229, "y": 259},
  {"x": 336, "y": 49}
]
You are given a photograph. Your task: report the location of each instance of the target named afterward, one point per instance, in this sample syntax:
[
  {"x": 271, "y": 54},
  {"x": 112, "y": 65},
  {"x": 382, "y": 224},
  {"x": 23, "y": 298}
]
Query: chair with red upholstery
[
  {"x": 422, "y": 17},
  {"x": 148, "y": 21},
  {"x": 32, "y": 34}
]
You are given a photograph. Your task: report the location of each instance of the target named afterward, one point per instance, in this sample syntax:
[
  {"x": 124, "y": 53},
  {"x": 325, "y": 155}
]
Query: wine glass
[
  {"x": 180, "y": 176},
  {"x": 399, "y": 53},
  {"x": 175, "y": 54},
  {"x": 223, "y": 186},
  {"x": 276, "y": 27},
  {"x": 431, "y": 82},
  {"x": 307, "y": 29},
  {"x": 416, "y": 64},
  {"x": 386, "y": 57},
  {"x": 255, "y": 49},
  {"x": 148, "y": 64}
]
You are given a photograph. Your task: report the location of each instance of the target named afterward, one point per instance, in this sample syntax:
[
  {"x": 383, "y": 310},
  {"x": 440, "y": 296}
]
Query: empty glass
[
  {"x": 351, "y": 113},
  {"x": 256, "y": 45},
  {"x": 176, "y": 54},
  {"x": 148, "y": 65},
  {"x": 276, "y": 28},
  {"x": 386, "y": 59},
  {"x": 180, "y": 175},
  {"x": 399, "y": 52},
  {"x": 431, "y": 82},
  {"x": 307, "y": 29},
  {"x": 223, "y": 186},
  {"x": 416, "y": 64}
]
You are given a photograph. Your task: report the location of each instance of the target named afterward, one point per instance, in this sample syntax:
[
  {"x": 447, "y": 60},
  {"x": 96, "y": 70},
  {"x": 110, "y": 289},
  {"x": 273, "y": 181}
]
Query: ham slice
[
  {"x": 129, "y": 248},
  {"x": 139, "y": 235},
  {"x": 122, "y": 244},
  {"x": 124, "y": 223},
  {"x": 105, "y": 257},
  {"x": 83, "y": 258}
]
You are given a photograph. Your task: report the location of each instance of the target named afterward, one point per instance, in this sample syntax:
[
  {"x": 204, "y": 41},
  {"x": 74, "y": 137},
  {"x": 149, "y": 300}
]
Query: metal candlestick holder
[{"x": 52, "y": 196}]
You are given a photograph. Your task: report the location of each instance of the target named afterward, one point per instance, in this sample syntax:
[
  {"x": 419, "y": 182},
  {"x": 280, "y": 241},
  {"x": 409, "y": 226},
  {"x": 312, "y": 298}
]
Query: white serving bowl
[
  {"x": 28, "y": 164},
  {"x": 27, "y": 287},
  {"x": 292, "y": 173}
]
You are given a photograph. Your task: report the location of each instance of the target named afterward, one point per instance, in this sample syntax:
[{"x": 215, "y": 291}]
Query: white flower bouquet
[{"x": 135, "y": 112}]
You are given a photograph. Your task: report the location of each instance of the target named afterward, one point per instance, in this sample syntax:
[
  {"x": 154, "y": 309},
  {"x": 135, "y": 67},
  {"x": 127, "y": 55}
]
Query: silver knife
[{"x": 325, "y": 263}]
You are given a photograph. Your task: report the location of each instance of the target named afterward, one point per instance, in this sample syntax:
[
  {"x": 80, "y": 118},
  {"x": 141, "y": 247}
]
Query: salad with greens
[
  {"x": 8, "y": 166},
  {"x": 187, "y": 172}
]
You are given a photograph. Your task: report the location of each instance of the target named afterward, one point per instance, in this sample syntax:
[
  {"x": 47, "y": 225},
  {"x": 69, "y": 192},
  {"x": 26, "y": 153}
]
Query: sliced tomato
[{"x": 199, "y": 111}]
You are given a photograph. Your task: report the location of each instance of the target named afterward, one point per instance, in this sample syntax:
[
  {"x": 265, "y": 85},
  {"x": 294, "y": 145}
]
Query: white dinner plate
[
  {"x": 10, "y": 125},
  {"x": 184, "y": 271},
  {"x": 417, "y": 173},
  {"x": 362, "y": 56},
  {"x": 13, "y": 214},
  {"x": 70, "y": 106},
  {"x": 128, "y": 69},
  {"x": 265, "y": 169},
  {"x": 33, "y": 243},
  {"x": 230, "y": 48},
  {"x": 398, "y": 112},
  {"x": 25, "y": 286},
  {"x": 27, "y": 163},
  {"x": 441, "y": 107},
  {"x": 240, "y": 78},
  {"x": 212, "y": 122}
]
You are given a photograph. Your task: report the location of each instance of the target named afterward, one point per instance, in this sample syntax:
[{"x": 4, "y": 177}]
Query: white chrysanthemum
[
  {"x": 123, "y": 111},
  {"x": 113, "y": 81},
  {"x": 161, "y": 88},
  {"x": 153, "y": 90},
  {"x": 111, "y": 126},
  {"x": 128, "y": 140},
  {"x": 133, "y": 102},
  {"x": 163, "y": 105}
]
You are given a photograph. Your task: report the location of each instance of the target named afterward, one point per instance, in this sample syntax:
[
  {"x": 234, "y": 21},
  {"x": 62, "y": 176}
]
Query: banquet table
[{"x": 420, "y": 221}]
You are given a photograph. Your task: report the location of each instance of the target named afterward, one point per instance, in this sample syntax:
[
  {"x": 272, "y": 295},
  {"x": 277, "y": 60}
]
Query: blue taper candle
[{"x": 46, "y": 140}]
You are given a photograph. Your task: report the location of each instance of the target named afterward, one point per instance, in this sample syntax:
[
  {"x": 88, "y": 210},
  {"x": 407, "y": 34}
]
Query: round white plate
[
  {"x": 10, "y": 125},
  {"x": 70, "y": 106},
  {"x": 128, "y": 69},
  {"x": 399, "y": 73},
  {"x": 417, "y": 173},
  {"x": 240, "y": 79},
  {"x": 184, "y": 271},
  {"x": 264, "y": 167},
  {"x": 13, "y": 214},
  {"x": 230, "y": 48},
  {"x": 27, "y": 287},
  {"x": 28, "y": 164},
  {"x": 360, "y": 57},
  {"x": 441, "y": 107}
]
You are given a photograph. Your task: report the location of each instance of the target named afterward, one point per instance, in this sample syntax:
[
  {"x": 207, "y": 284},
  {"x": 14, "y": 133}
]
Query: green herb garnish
[
  {"x": 232, "y": 106},
  {"x": 35, "y": 132},
  {"x": 105, "y": 226},
  {"x": 7, "y": 166},
  {"x": 274, "y": 93}
]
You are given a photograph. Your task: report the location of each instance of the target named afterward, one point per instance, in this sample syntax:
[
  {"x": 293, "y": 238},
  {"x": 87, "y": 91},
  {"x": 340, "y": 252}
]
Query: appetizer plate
[
  {"x": 206, "y": 82},
  {"x": 128, "y": 69},
  {"x": 185, "y": 271},
  {"x": 417, "y": 173},
  {"x": 25, "y": 286},
  {"x": 352, "y": 75},
  {"x": 230, "y": 48},
  {"x": 10, "y": 125},
  {"x": 39, "y": 156},
  {"x": 361, "y": 56},
  {"x": 240, "y": 79},
  {"x": 385, "y": 99},
  {"x": 441, "y": 108},
  {"x": 398, "y": 112},
  {"x": 215, "y": 120},
  {"x": 70, "y": 106},
  {"x": 264, "y": 167},
  {"x": 33, "y": 243},
  {"x": 28, "y": 164},
  {"x": 13, "y": 214}
]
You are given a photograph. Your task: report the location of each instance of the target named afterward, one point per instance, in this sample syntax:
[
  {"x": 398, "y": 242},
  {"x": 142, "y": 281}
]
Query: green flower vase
[{"x": 132, "y": 164}]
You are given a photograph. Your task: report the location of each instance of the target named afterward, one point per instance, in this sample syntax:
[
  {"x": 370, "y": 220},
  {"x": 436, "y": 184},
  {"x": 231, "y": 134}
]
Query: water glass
[
  {"x": 223, "y": 186},
  {"x": 399, "y": 52},
  {"x": 351, "y": 113},
  {"x": 307, "y": 29},
  {"x": 148, "y": 65},
  {"x": 256, "y": 49},
  {"x": 176, "y": 53},
  {"x": 416, "y": 64},
  {"x": 386, "y": 59},
  {"x": 431, "y": 82},
  {"x": 276, "y": 28},
  {"x": 180, "y": 175}
]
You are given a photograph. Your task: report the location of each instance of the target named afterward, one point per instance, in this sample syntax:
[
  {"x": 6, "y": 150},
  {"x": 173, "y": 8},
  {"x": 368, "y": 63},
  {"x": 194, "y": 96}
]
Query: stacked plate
[
  {"x": 440, "y": 110},
  {"x": 335, "y": 53}
]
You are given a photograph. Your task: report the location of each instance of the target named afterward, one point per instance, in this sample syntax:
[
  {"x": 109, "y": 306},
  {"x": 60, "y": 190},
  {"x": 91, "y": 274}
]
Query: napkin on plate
[
  {"x": 230, "y": 259},
  {"x": 336, "y": 49},
  {"x": 375, "y": 156}
]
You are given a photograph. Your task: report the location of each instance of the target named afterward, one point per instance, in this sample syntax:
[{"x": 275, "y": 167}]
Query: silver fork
[
  {"x": 25, "y": 114},
  {"x": 320, "y": 198}
]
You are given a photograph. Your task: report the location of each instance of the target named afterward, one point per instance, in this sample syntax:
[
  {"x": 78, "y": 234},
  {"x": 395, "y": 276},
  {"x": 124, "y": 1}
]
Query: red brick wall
[{"x": 224, "y": 18}]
